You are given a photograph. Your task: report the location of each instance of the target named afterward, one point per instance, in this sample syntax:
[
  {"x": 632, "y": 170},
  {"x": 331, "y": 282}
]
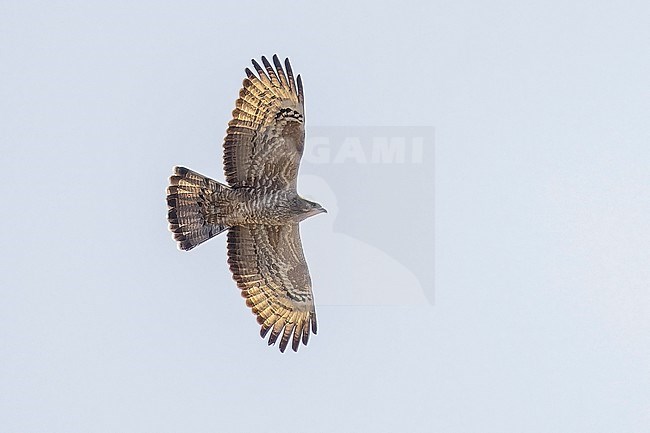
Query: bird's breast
[{"x": 250, "y": 206}]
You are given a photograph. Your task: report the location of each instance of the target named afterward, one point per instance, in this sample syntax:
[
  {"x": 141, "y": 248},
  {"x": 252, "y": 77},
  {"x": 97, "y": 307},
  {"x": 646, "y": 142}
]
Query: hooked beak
[{"x": 316, "y": 211}]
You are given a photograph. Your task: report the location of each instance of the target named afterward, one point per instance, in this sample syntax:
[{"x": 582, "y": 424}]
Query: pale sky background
[{"x": 541, "y": 315}]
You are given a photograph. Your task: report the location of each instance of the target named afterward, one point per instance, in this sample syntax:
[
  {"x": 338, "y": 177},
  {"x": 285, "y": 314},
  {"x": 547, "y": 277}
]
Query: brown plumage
[{"x": 260, "y": 208}]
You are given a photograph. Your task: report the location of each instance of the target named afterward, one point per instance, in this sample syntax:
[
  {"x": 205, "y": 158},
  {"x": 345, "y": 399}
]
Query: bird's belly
[{"x": 256, "y": 208}]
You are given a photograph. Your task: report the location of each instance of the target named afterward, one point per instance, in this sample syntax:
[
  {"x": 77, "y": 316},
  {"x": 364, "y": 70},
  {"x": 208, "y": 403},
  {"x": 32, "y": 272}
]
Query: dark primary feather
[{"x": 292, "y": 83}]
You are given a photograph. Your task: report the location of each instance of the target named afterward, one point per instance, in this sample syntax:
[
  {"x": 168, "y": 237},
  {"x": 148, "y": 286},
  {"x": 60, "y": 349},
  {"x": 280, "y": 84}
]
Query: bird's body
[
  {"x": 260, "y": 207},
  {"x": 242, "y": 206}
]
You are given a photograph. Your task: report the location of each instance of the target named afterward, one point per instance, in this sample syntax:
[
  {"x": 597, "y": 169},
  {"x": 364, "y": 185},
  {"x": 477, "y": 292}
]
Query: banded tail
[{"x": 190, "y": 196}]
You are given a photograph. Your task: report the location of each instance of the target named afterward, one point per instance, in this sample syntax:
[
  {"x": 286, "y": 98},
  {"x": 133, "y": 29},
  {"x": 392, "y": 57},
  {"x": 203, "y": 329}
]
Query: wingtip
[
  {"x": 180, "y": 170},
  {"x": 301, "y": 95},
  {"x": 314, "y": 324}
]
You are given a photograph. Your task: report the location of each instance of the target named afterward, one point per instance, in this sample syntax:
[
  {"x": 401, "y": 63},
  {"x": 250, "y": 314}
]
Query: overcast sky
[{"x": 517, "y": 301}]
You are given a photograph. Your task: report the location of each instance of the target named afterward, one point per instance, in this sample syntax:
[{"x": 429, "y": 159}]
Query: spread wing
[
  {"x": 269, "y": 267},
  {"x": 266, "y": 136}
]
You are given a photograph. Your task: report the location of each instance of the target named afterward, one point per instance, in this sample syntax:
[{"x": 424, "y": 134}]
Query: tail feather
[{"x": 188, "y": 197}]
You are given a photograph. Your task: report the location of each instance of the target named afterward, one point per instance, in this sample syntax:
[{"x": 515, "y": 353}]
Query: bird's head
[{"x": 306, "y": 209}]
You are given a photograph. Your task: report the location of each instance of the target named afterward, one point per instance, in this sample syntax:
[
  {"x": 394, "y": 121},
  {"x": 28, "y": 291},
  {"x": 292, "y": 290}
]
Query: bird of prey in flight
[{"x": 260, "y": 207}]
